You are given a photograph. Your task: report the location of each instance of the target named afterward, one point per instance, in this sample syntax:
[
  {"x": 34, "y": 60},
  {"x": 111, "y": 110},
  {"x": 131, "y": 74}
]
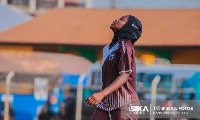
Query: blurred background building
[
  {"x": 69, "y": 31},
  {"x": 58, "y": 40}
]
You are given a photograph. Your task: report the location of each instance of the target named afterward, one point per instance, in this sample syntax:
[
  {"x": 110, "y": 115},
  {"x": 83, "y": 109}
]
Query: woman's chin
[{"x": 111, "y": 26}]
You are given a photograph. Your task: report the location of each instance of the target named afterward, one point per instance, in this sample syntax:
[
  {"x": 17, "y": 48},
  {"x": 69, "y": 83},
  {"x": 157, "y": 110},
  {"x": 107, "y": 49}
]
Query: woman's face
[{"x": 118, "y": 23}]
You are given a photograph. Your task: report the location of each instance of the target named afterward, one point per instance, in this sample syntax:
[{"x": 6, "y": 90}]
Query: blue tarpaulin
[{"x": 25, "y": 106}]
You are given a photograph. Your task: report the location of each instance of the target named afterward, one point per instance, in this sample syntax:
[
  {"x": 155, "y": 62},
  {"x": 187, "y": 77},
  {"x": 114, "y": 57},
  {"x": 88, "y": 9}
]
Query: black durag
[{"x": 131, "y": 30}]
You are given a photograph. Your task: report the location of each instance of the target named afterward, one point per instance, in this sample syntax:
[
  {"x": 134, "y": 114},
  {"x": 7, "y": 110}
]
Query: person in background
[
  {"x": 55, "y": 101},
  {"x": 62, "y": 115},
  {"x": 44, "y": 115},
  {"x": 192, "y": 96}
]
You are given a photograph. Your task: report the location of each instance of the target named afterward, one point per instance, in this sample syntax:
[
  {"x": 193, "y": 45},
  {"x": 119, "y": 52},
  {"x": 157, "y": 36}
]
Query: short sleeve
[{"x": 125, "y": 57}]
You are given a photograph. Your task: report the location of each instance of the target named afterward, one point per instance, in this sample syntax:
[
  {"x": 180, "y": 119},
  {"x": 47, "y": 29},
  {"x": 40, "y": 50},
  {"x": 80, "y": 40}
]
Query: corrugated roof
[{"x": 79, "y": 26}]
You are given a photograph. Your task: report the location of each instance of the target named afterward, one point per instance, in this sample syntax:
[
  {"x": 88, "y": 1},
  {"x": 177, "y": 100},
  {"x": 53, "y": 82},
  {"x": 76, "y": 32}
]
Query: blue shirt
[{"x": 54, "y": 103}]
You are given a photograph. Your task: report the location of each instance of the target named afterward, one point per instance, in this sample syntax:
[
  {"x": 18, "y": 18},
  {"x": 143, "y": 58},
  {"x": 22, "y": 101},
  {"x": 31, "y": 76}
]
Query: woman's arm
[{"x": 117, "y": 83}]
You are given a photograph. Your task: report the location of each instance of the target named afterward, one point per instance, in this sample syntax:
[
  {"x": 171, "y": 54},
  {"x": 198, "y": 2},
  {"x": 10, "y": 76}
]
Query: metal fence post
[
  {"x": 79, "y": 97},
  {"x": 153, "y": 94},
  {"x": 32, "y": 6},
  {"x": 8, "y": 79},
  {"x": 113, "y": 3},
  {"x": 61, "y": 3},
  {"x": 88, "y": 3}
]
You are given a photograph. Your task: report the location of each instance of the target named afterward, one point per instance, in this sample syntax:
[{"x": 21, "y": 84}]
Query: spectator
[
  {"x": 45, "y": 115},
  {"x": 55, "y": 101}
]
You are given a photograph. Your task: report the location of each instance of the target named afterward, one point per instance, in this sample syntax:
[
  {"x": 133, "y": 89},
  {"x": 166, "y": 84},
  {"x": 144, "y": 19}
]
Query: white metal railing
[
  {"x": 8, "y": 80},
  {"x": 153, "y": 95},
  {"x": 79, "y": 97}
]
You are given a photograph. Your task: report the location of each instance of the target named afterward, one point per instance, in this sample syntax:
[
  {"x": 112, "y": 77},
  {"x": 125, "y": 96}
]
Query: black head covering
[{"x": 131, "y": 30}]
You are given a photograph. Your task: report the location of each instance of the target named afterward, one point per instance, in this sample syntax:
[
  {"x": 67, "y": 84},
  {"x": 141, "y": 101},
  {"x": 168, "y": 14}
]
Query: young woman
[{"x": 118, "y": 71}]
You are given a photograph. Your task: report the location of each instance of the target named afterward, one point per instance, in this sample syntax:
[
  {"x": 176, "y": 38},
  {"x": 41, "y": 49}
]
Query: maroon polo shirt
[{"x": 117, "y": 59}]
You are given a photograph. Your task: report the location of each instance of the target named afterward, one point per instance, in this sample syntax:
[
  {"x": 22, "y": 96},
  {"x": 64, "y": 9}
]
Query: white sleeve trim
[{"x": 129, "y": 71}]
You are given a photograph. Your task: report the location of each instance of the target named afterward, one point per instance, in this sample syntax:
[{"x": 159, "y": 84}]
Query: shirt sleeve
[{"x": 125, "y": 57}]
